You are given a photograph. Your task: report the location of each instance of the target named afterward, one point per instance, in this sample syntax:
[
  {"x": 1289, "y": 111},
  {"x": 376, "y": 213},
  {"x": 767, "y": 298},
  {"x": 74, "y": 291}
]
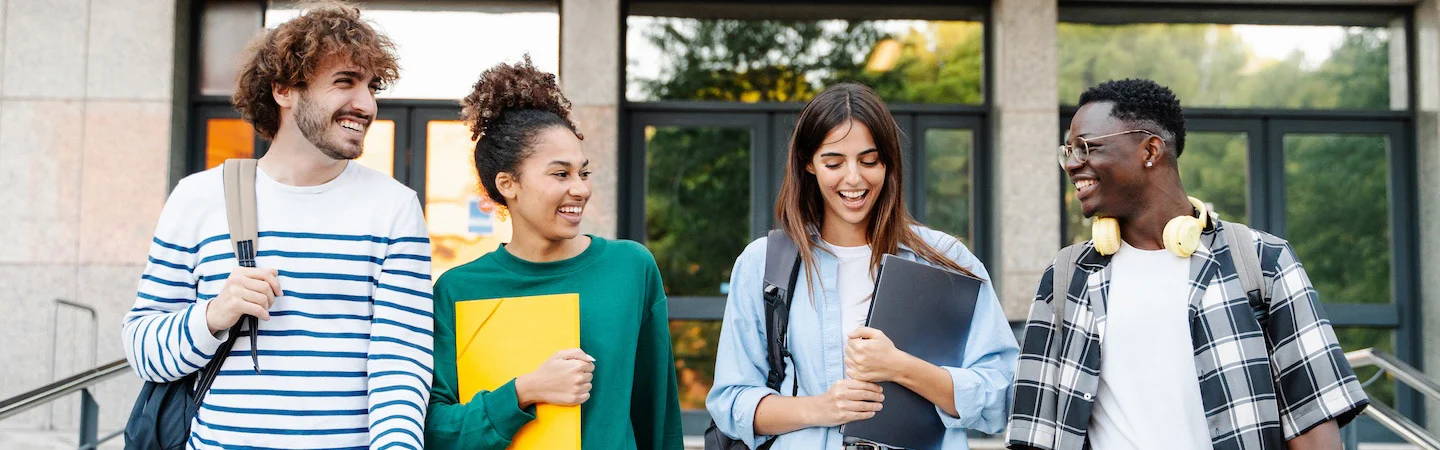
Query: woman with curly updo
[{"x": 531, "y": 163}]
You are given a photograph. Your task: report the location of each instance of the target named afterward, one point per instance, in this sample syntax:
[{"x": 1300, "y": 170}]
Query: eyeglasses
[{"x": 1081, "y": 153}]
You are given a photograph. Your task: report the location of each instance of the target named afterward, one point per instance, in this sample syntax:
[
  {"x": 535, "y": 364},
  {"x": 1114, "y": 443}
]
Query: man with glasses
[{"x": 1151, "y": 349}]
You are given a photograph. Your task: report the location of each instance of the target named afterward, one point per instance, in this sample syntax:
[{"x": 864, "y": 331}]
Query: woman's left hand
[{"x": 871, "y": 356}]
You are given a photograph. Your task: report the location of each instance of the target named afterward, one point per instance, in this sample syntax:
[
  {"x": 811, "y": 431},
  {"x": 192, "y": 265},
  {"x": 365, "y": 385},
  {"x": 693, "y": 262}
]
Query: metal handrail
[
  {"x": 55, "y": 334},
  {"x": 44, "y": 394},
  {"x": 1410, "y": 376},
  {"x": 1403, "y": 372},
  {"x": 1403, "y": 426}
]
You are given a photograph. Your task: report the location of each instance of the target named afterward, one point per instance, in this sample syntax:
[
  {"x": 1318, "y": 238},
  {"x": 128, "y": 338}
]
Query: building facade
[{"x": 1314, "y": 120}]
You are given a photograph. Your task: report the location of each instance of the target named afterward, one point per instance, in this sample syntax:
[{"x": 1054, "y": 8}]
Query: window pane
[
  {"x": 458, "y": 213},
  {"x": 947, "y": 181},
  {"x": 907, "y": 61},
  {"x": 1237, "y": 66},
  {"x": 226, "y": 26},
  {"x": 228, "y": 138},
  {"x": 1356, "y": 338},
  {"x": 697, "y": 204},
  {"x": 694, "y": 343},
  {"x": 379, "y": 151},
  {"x": 1213, "y": 169},
  {"x": 428, "y": 37},
  {"x": 1337, "y": 214}
]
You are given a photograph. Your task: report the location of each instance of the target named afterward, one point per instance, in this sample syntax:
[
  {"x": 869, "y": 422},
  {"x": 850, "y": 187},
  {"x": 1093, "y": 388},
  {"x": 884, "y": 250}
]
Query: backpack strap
[
  {"x": 239, "y": 175},
  {"x": 240, "y": 208},
  {"x": 1061, "y": 275},
  {"x": 1246, "y": 259},
  {"x": 782, "y": 264}
]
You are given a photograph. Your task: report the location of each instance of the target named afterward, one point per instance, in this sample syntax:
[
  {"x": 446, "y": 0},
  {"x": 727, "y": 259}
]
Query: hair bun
[{"x": 511, "y": 87}]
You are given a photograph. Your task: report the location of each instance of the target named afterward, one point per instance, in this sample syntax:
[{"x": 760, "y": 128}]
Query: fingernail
[{"x": 591, "y": 358}]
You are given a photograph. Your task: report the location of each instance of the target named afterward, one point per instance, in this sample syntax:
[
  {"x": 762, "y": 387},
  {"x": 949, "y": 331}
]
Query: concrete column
[
  {"x": 85, "y": 89},
  {"x": 1026, "y": 117},
  {"x": 590, "y": 43},
  {"x": 1427, "y": 146}
]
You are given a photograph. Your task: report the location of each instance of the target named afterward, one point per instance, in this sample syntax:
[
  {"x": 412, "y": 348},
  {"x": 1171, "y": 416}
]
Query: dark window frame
[{"x": 771, "y": 122}]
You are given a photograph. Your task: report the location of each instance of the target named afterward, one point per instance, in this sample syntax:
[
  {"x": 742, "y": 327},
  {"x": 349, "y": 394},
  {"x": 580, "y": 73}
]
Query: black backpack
[
  {"x": 160, "y": 419},
  {"x": 782, "y": 265}
]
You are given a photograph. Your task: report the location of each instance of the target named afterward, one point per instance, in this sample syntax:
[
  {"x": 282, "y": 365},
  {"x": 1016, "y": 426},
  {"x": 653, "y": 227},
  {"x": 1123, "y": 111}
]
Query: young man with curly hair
[
  {"x": 341, "y": 285},
  {"x": 1176, "y": 330}
]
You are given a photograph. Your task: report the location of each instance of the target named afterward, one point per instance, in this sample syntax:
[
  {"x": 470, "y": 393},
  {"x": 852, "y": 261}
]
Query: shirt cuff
[
  {"x": 503, "y": 407},
  {"x": 199, "y": 327},
  {"x": 972, "y": 397},
  {"x": 743, "y": 413}
]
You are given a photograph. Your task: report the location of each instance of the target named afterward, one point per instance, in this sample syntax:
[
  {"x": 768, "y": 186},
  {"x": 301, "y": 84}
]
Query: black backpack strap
[
  {"x": 208, "y": 373},
  {"x": 782, "y": 266}
]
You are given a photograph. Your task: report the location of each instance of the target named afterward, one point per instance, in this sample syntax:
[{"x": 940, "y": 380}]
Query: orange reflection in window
[
  {"x": 380, "y": 147},
  {"x": 228, "y": 138},
  {"x": 460, "y": 217}
]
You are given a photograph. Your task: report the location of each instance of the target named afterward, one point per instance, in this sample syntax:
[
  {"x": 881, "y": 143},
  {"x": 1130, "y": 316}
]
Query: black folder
[{"x": 926, "y": 311}]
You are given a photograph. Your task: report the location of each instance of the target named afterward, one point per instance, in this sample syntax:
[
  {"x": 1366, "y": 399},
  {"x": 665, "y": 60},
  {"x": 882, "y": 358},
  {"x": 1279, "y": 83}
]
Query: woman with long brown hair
[{"x": 842, "y": 204}]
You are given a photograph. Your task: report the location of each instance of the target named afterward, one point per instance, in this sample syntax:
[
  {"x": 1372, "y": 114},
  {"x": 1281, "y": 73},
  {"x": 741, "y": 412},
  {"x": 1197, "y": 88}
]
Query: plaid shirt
[{"x": 1260, "y": 385}]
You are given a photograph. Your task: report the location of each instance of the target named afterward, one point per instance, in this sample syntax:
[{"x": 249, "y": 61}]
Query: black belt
[{"x": 865, "y": 446}]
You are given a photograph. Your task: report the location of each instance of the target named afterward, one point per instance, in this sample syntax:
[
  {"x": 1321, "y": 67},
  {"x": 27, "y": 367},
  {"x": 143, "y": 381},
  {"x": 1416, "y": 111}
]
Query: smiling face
[
  {"x": 850, "y": 175},
  {"x": 1112, "y": 178},
  {"x": 335, "y": 109},
  {"x": 552, "y": 188}
]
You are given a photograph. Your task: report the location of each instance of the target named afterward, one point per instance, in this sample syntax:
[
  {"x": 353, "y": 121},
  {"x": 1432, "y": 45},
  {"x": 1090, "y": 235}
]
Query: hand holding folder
[
  {"x": 926, "y": 312},
  {"x": 499, "y": 340}
]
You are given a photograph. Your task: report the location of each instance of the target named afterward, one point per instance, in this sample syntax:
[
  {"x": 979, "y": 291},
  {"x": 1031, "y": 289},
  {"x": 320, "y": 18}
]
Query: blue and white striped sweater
[{"x": 346, "y": 356}]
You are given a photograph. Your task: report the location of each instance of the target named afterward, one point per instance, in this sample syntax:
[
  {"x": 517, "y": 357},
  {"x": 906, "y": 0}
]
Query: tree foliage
[{"x": 698, "y": 178}]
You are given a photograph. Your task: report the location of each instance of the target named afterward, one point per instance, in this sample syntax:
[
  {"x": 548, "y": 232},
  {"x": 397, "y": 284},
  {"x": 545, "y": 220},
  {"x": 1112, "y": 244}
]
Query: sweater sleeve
[
  {"x": 400, "y": 356},
  {"x": 487, "y": 421},
  {"x": 655, "y": 402},
  {"x": 166, "y": 336}
]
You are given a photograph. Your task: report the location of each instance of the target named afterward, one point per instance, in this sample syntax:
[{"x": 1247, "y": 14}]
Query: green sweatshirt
[{"x": 624, "y": 324}]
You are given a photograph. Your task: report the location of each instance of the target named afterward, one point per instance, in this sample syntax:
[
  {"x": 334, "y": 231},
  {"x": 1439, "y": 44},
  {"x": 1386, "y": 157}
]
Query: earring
[{"x": 1149, "y": 163}]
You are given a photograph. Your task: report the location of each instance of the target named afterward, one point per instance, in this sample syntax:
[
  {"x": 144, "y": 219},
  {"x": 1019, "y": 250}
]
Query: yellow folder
[{"x": 500, "y": 339}]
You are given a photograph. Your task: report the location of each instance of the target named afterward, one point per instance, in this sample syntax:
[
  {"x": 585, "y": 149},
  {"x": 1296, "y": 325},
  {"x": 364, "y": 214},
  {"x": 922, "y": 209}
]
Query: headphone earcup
[
  {"x": 1185, "y": 238},
  {"x": 1182, "y": 236},
  {"x": 1105, "y": 233}
]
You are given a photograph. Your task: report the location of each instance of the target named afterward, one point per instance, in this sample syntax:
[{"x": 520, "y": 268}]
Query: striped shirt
[{"x": 346, "y": 356}]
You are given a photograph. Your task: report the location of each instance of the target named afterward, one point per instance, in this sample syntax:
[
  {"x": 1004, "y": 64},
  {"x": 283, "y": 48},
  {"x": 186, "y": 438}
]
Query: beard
[{"x": 315, "y": 124}]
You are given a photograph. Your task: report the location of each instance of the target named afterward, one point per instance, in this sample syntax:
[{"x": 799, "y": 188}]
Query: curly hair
[
  {"x": 290, "y": 54},
  {"x": 1145, "y": 104},
  {"x": 506, "y": 109}
]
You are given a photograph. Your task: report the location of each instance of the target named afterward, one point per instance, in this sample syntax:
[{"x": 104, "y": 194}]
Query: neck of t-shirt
[{"x": 842, "y": 252}]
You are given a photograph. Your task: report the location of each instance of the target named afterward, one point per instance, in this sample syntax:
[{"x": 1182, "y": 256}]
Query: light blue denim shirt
[{"x": 982, "y": 385}]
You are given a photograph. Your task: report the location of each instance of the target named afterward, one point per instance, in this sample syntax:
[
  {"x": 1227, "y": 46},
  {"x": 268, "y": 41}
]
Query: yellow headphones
[{"x": 1182, "y": 234}]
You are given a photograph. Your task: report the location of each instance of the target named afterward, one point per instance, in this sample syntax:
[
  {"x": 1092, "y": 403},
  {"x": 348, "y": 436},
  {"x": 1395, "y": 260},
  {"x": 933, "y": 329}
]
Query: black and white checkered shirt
[{"x": 1261, "y": 385}]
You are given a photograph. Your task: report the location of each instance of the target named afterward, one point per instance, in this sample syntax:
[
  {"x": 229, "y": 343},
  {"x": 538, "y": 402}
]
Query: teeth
[
  {"x": 1082, "y": 184},
  {"x": 351, "y": 125},
  {"x": 853, "y": 194},
  {"x": 571, "y": 209}
]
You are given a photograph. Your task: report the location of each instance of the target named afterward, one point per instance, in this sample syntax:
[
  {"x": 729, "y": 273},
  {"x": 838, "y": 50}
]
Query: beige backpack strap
[
  {"x": 240, "y": 208},
  {"x": 239, "y": 174}
]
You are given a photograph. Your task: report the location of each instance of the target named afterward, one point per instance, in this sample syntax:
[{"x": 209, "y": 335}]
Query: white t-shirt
[
  {"x": 1149, "y": 394},
  {"x": 855, "y": 285}
]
